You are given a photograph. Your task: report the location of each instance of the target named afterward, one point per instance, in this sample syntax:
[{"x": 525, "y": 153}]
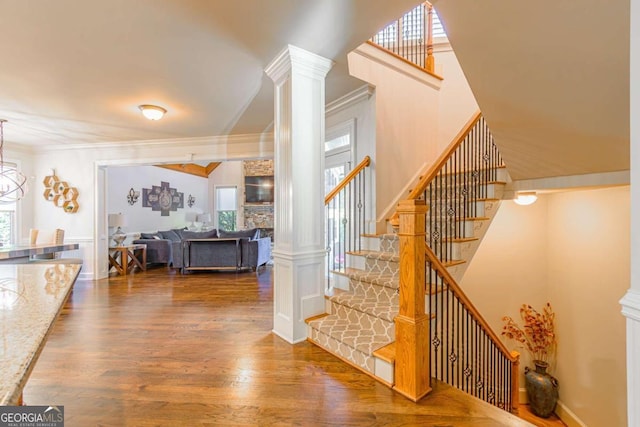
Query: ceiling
[
  {"x": 74, "y": 71},
  {"x": 551, "y": 78}
]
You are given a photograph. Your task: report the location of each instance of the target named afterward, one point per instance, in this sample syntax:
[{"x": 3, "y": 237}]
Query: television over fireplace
[{"x": 258, "y": 189}]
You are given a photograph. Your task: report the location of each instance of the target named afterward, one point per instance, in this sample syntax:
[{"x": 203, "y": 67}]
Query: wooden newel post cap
[{"x": 412, "y": 206}]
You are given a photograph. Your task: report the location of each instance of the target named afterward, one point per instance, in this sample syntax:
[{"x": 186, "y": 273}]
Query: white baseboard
[
  {"x": 567, "y": 416},
  {"x": 562, "y": 411}
]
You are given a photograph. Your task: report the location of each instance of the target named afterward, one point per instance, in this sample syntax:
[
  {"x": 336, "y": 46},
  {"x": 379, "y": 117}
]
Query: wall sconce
[
  {"x": 191, "y": 200},
  {"x": 525, "y": 198},
  {"x": 132, "y": 196}
]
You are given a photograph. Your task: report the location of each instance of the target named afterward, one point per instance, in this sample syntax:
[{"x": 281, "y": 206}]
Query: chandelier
[{"x": 13, "y": 184}]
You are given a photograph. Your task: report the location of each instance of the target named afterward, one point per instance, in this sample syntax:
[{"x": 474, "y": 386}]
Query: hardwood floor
[{"x": 157, "y": 348}]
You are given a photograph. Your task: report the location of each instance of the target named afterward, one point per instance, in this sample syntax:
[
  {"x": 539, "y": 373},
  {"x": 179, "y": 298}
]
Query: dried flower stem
[{"x": 537, "y": 334}]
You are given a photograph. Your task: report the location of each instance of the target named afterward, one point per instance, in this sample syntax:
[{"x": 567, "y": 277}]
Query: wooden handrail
[
  {"x": 455, "y": 288},
  {"x": 435, "y": 168},
  {"x": 405, "y": 60},
  {"x": 347, "y": 179}
]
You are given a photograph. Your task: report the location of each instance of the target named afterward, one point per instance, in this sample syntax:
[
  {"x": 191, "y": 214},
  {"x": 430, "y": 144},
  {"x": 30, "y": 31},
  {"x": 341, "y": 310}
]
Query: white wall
[
  {"x": 570, "y": 249},
  {"x": 142, "y": 219},
  {"x": 457, "y": 103}
]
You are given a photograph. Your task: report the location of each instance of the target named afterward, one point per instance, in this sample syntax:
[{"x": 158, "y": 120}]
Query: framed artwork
[{"x": 162, "y": 198}]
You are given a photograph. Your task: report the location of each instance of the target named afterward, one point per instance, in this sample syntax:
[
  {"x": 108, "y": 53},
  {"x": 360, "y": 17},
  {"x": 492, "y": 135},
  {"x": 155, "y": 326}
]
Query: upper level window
[{"x": 412, "y": 27}]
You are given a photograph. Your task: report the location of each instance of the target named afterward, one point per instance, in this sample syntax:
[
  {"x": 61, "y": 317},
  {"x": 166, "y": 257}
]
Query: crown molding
[
  {"x": 362, "y": 93},
  {"x": 192, "y": 142}
]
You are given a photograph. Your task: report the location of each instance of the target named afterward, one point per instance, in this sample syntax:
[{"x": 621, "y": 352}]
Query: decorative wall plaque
[
  {"x": 60, "y": 193},
  {"x": 162, "y": 198}
]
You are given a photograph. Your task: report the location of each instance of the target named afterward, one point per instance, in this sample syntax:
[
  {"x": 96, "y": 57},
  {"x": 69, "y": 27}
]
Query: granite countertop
[
  {"x": 31, "y": 297},
  {"x": 7, "y": 252}
]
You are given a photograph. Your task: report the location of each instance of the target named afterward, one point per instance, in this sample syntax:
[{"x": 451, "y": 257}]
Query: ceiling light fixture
[
  {"x": 152, "y": 112},
  {"x": 525, "y": 198},
  {"x": 13, "y": 184}
]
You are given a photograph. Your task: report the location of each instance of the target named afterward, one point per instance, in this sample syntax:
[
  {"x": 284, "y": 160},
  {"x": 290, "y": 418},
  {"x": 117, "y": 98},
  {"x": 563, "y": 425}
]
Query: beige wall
[
  {"x": 571, "y": 249},
  {"x": 588, "y": 260}
]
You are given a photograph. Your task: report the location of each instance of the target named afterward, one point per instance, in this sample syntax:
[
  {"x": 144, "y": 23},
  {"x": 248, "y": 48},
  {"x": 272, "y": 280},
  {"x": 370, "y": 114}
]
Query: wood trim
[
  {"x": 515, "y": 382},
  {"x": 455, "y": 288},
  {"x": 347, "y": 179},
  {"x": 406, "y": 61},
  {"x": 192, "y": 168},
  {"x": 411, "y": 370}
]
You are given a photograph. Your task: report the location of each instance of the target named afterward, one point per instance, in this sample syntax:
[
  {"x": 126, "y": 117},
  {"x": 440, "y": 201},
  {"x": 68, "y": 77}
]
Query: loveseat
[{"x": 192, "y": 250}]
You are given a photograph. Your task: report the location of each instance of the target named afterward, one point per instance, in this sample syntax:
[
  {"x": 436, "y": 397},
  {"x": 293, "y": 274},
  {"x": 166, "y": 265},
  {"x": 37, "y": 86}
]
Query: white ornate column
[
  {"x": 631, "y": 301},
  {"x": 299, "y": 253}
]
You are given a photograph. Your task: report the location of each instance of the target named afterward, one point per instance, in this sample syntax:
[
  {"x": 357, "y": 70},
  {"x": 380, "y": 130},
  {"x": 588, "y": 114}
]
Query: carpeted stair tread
[
  {"x": 363, "y": 339},
  {"x": 371, "y": 303}
]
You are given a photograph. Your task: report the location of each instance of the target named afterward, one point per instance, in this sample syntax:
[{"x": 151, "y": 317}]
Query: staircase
[
  {"x": 440, "y": 333},
  {"x": 361, "y": 320}
]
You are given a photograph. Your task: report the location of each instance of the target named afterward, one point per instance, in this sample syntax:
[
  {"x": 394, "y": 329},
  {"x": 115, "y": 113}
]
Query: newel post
[
  {"x": 515, "y": 382},
  {"x": 412, "y": 324}
]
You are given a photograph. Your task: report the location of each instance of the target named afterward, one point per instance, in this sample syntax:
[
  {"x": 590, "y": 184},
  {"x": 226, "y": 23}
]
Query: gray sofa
[{"x": 191, "y": 250}]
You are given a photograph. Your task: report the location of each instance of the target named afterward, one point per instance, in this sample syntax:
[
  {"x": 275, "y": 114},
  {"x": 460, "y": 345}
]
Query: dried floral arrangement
[{"x": 537, "y": 334}]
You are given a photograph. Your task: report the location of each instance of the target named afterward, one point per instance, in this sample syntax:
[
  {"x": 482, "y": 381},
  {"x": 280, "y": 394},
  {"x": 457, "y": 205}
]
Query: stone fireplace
[{"x": 259, "y": 215}]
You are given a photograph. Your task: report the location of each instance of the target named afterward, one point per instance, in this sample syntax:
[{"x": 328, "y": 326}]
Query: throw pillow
[
  {"x": 171, "y": 235},
  {"x": 149, "y": 236}
]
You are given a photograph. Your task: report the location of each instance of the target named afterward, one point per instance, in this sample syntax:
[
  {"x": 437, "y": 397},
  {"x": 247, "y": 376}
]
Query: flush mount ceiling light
[
  {"x": 13, "y": 184},
  {"x": 152, "y": 112},
  {"x": 525, "y": 198}
]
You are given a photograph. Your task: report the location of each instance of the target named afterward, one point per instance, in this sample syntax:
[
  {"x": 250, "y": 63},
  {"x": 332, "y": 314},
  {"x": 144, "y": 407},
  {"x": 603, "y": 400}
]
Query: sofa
[{"x": 192, "y": 250}]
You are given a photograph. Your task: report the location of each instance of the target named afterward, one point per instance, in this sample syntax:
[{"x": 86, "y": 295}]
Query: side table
[{"x": 125, "y": 258}]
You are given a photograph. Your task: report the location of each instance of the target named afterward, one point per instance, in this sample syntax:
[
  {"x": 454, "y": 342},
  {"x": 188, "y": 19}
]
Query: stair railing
[
  {"x": 463, "y": 351},
  {"x": 345, "y": 216},
  {"x": 410, "y": 37}
]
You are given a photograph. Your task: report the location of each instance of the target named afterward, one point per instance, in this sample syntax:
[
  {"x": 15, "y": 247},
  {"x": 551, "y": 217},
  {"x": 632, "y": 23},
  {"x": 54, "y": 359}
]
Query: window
[
  {"x": 226, "y": 208},
  {"x": 7, "y": 224}
]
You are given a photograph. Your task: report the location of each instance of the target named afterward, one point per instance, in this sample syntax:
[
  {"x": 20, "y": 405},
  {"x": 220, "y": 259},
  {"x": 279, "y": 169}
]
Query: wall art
[
  {"x": 162, "y": 198},
  {"x": 132, "y": 196},
  {"x": 191, "y": 200},
  {"x": 60, "y": 193}
]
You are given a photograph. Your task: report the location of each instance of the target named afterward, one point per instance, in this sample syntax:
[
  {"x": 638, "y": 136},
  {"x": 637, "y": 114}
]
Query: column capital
[
  {"x": 631, "y": 305},
  {"x": 298, "y": 60}
]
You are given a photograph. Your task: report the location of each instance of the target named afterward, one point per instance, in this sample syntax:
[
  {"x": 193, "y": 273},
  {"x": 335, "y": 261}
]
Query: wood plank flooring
[{"x": 159, "y": 349}]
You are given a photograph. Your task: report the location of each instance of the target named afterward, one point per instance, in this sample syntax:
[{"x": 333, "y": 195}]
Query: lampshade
[
  {"x": 525, "y": 198},
  {"x": 152, "y": 112},
  {"x": 117, "y": 220},
  {"x": 204, "y": 218}
]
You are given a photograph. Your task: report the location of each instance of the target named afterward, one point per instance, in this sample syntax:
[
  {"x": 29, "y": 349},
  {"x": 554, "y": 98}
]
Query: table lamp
[{"x": 118, "y": 220}]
